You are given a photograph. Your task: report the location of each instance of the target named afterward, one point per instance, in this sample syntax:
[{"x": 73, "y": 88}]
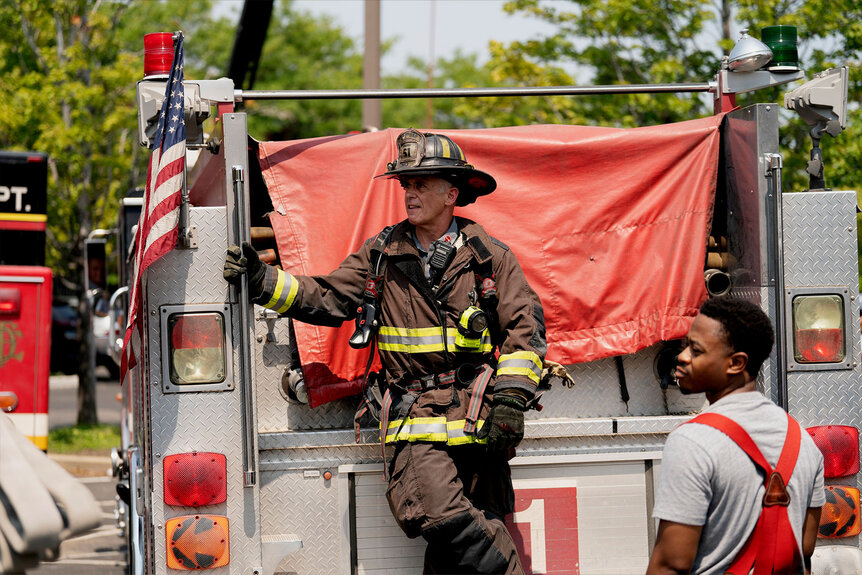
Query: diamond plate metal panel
[
  {"x": 272, "y": 351},
  {"x": 205, "y": 421},
  {"x": 820, "y": 250},
  {"x": 308, "y": 505},
  {"x": 820, "y": 239}
]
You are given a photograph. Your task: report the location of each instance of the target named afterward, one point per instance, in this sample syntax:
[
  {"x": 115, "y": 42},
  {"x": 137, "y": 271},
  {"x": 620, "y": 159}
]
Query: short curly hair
[{"x": 746, "y": 327}]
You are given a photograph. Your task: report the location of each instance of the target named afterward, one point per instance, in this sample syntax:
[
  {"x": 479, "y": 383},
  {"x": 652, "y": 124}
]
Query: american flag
[{"x": 157, "y": 229}]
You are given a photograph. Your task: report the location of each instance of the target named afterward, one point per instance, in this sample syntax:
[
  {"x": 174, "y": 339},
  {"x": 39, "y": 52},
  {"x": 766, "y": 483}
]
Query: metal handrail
[{"x": 358, "y": 94}]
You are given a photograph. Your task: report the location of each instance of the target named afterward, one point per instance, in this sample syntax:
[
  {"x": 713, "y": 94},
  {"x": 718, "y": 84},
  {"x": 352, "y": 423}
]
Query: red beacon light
[
  {"x": 840, "y": 447},
  {"x": 158, "y": 54},
  {"x": 195, "y": 479}
]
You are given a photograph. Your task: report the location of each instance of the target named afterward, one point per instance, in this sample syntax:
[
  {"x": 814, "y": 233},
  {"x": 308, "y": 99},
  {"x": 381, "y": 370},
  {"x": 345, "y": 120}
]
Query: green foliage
[
  {"x": 301, "y": 53},
  {"x": 459, "y": 71},
  {"x": 83, "y": 438},
  {"x": 670, "y": 41}
]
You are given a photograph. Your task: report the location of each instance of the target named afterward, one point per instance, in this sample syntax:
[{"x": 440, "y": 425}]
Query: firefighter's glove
[
  {"x": 245, "y": 261},
  {"x": 504, "y": 426}
]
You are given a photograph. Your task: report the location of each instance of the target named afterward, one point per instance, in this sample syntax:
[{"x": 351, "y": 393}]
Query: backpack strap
[
  {"x": 366, "y": 324},
  {"x": 366, "y": 315},
  {"x": 771, "y": 547},
  {"x": 486, "y": 284}
]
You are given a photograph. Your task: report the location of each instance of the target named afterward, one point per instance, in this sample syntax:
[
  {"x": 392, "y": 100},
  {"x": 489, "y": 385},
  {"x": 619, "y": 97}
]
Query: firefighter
[{"x": 455, "y": 412}]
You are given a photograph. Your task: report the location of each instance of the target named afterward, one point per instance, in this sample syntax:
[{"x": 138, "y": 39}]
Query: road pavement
[
  {"x": 63, "y": 400},
  {"x": 101, "y": 551}
]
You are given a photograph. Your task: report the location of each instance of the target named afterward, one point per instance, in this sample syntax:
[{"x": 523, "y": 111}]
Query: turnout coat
[{"x": 415, "y": 319}]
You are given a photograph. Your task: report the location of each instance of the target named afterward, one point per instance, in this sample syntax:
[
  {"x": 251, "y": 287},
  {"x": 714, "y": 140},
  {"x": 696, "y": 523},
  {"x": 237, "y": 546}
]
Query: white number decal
[{"x": 535, "y": 516}]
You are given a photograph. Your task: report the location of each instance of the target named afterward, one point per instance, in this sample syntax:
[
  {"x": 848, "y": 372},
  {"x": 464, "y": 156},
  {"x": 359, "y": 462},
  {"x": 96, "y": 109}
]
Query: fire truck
[
  {"x": 25, "y": 293},
  {"x": 239, "y": 449}
]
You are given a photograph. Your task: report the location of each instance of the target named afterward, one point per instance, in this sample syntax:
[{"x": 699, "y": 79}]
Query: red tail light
[
  {"x": 840, "y": 514},
  {"x": 197, "y": 348},
  {"x": 10, "y": 301},
  {"x": 195, "y": 479},
  {"x": 197, "y": 542},
  {"x": 840, "y": 447}
]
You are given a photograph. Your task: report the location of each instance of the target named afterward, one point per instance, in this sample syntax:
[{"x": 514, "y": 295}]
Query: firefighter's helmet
[{"x": 438, "y": 155}]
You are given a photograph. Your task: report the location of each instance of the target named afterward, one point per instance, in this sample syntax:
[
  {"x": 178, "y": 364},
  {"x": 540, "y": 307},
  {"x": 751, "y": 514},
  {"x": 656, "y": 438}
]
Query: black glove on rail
[
  {"x": 504, "y": 426},
  {"x": 245, "y": 261}
]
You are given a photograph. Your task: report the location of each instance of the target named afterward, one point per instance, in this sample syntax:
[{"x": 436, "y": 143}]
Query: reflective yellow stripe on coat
[
  {"x": 432, "y": 429},
  {"x": 425, "y": 340},
  {"x": 285, "y": 292},
  {"x": 520, "y": 363}
]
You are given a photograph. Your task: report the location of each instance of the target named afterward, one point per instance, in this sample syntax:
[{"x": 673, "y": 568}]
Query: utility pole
[
  {"x": 372, "y": 115},
  {"x": 429, "y": 107}
]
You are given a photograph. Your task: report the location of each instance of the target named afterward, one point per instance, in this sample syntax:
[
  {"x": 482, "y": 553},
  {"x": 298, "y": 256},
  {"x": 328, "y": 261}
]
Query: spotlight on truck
[{"x": 749, "y": 54}]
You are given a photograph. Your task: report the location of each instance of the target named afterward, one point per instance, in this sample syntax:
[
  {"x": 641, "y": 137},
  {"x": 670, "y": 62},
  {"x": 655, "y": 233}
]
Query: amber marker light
[
  {"x": 8, "y": 401},
  {"x": 840, "y": 515},
  {"x": 197, "y": 542}
]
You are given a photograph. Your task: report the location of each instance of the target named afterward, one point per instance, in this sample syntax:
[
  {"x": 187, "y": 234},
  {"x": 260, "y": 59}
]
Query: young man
[
  {"x": 710, "y": 491},
  {"x": 445, "y": 280}
]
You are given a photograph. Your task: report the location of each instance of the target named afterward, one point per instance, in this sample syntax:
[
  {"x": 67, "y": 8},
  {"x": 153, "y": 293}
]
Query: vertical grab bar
[
  {"x": 775, "y": 164},
  {"x": 241, "y": 221}
]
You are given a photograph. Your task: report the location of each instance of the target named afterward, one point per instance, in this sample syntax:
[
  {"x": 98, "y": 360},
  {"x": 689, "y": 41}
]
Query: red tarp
[{"x": 609, "y": 225}]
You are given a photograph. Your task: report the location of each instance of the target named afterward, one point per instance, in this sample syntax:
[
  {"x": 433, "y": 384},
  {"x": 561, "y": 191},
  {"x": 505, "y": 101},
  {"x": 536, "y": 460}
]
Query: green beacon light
[{"x": 782, "y": 41}]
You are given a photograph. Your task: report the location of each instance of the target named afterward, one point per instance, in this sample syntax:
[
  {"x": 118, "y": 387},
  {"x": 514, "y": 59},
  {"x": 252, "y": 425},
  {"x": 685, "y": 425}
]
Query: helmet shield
[{"x": 438, "y": 155}]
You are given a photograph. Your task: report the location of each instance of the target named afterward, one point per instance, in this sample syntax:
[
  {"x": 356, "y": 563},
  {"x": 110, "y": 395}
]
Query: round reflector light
[
  {"x": 840, "y": 447},
  {"x": 840, "y": 515},
  {"x": 8, "y": 401}
]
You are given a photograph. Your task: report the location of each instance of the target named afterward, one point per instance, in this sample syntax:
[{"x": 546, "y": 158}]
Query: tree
[
  {"x": 306, "y": 52},
  {"x": 67, "y": 81},
  {"x": 65, "y": 89},
  {"x": 665, "y": 41}
]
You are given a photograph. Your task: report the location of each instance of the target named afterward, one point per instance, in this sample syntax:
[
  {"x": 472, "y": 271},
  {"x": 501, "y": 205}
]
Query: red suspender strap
[{"x": 771, "y": 548}]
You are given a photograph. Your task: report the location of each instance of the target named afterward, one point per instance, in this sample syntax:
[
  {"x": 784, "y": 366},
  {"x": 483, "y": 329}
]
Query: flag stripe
[{"x": 156, "y": 234}]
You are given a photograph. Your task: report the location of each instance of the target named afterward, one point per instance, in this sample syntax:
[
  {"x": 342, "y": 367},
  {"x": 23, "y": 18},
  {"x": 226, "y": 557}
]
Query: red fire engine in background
[{"x": 25, "y": 294}]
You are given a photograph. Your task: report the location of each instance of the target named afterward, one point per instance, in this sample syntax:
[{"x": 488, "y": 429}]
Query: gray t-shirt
[{"x": 706, "y": 479}]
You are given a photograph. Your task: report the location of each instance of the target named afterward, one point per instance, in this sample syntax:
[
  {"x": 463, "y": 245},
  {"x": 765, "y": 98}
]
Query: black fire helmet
[{"x": 438, "y": 155}]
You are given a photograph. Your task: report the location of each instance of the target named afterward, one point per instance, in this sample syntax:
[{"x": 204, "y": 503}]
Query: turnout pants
[{"x": 455, "y": 498}]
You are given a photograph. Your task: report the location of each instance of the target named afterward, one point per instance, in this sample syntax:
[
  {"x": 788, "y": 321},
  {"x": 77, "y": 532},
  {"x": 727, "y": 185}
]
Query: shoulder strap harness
[
  {"x": 486, "y": 284},
  {"x": 366, "y": 324},
  {"x": 366, "y": 315},
  {"x": 772, "y": 547}
]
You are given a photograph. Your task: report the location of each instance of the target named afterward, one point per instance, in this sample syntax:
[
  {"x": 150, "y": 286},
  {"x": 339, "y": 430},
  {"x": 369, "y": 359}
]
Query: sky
[{"x": 464, "y": 24}]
